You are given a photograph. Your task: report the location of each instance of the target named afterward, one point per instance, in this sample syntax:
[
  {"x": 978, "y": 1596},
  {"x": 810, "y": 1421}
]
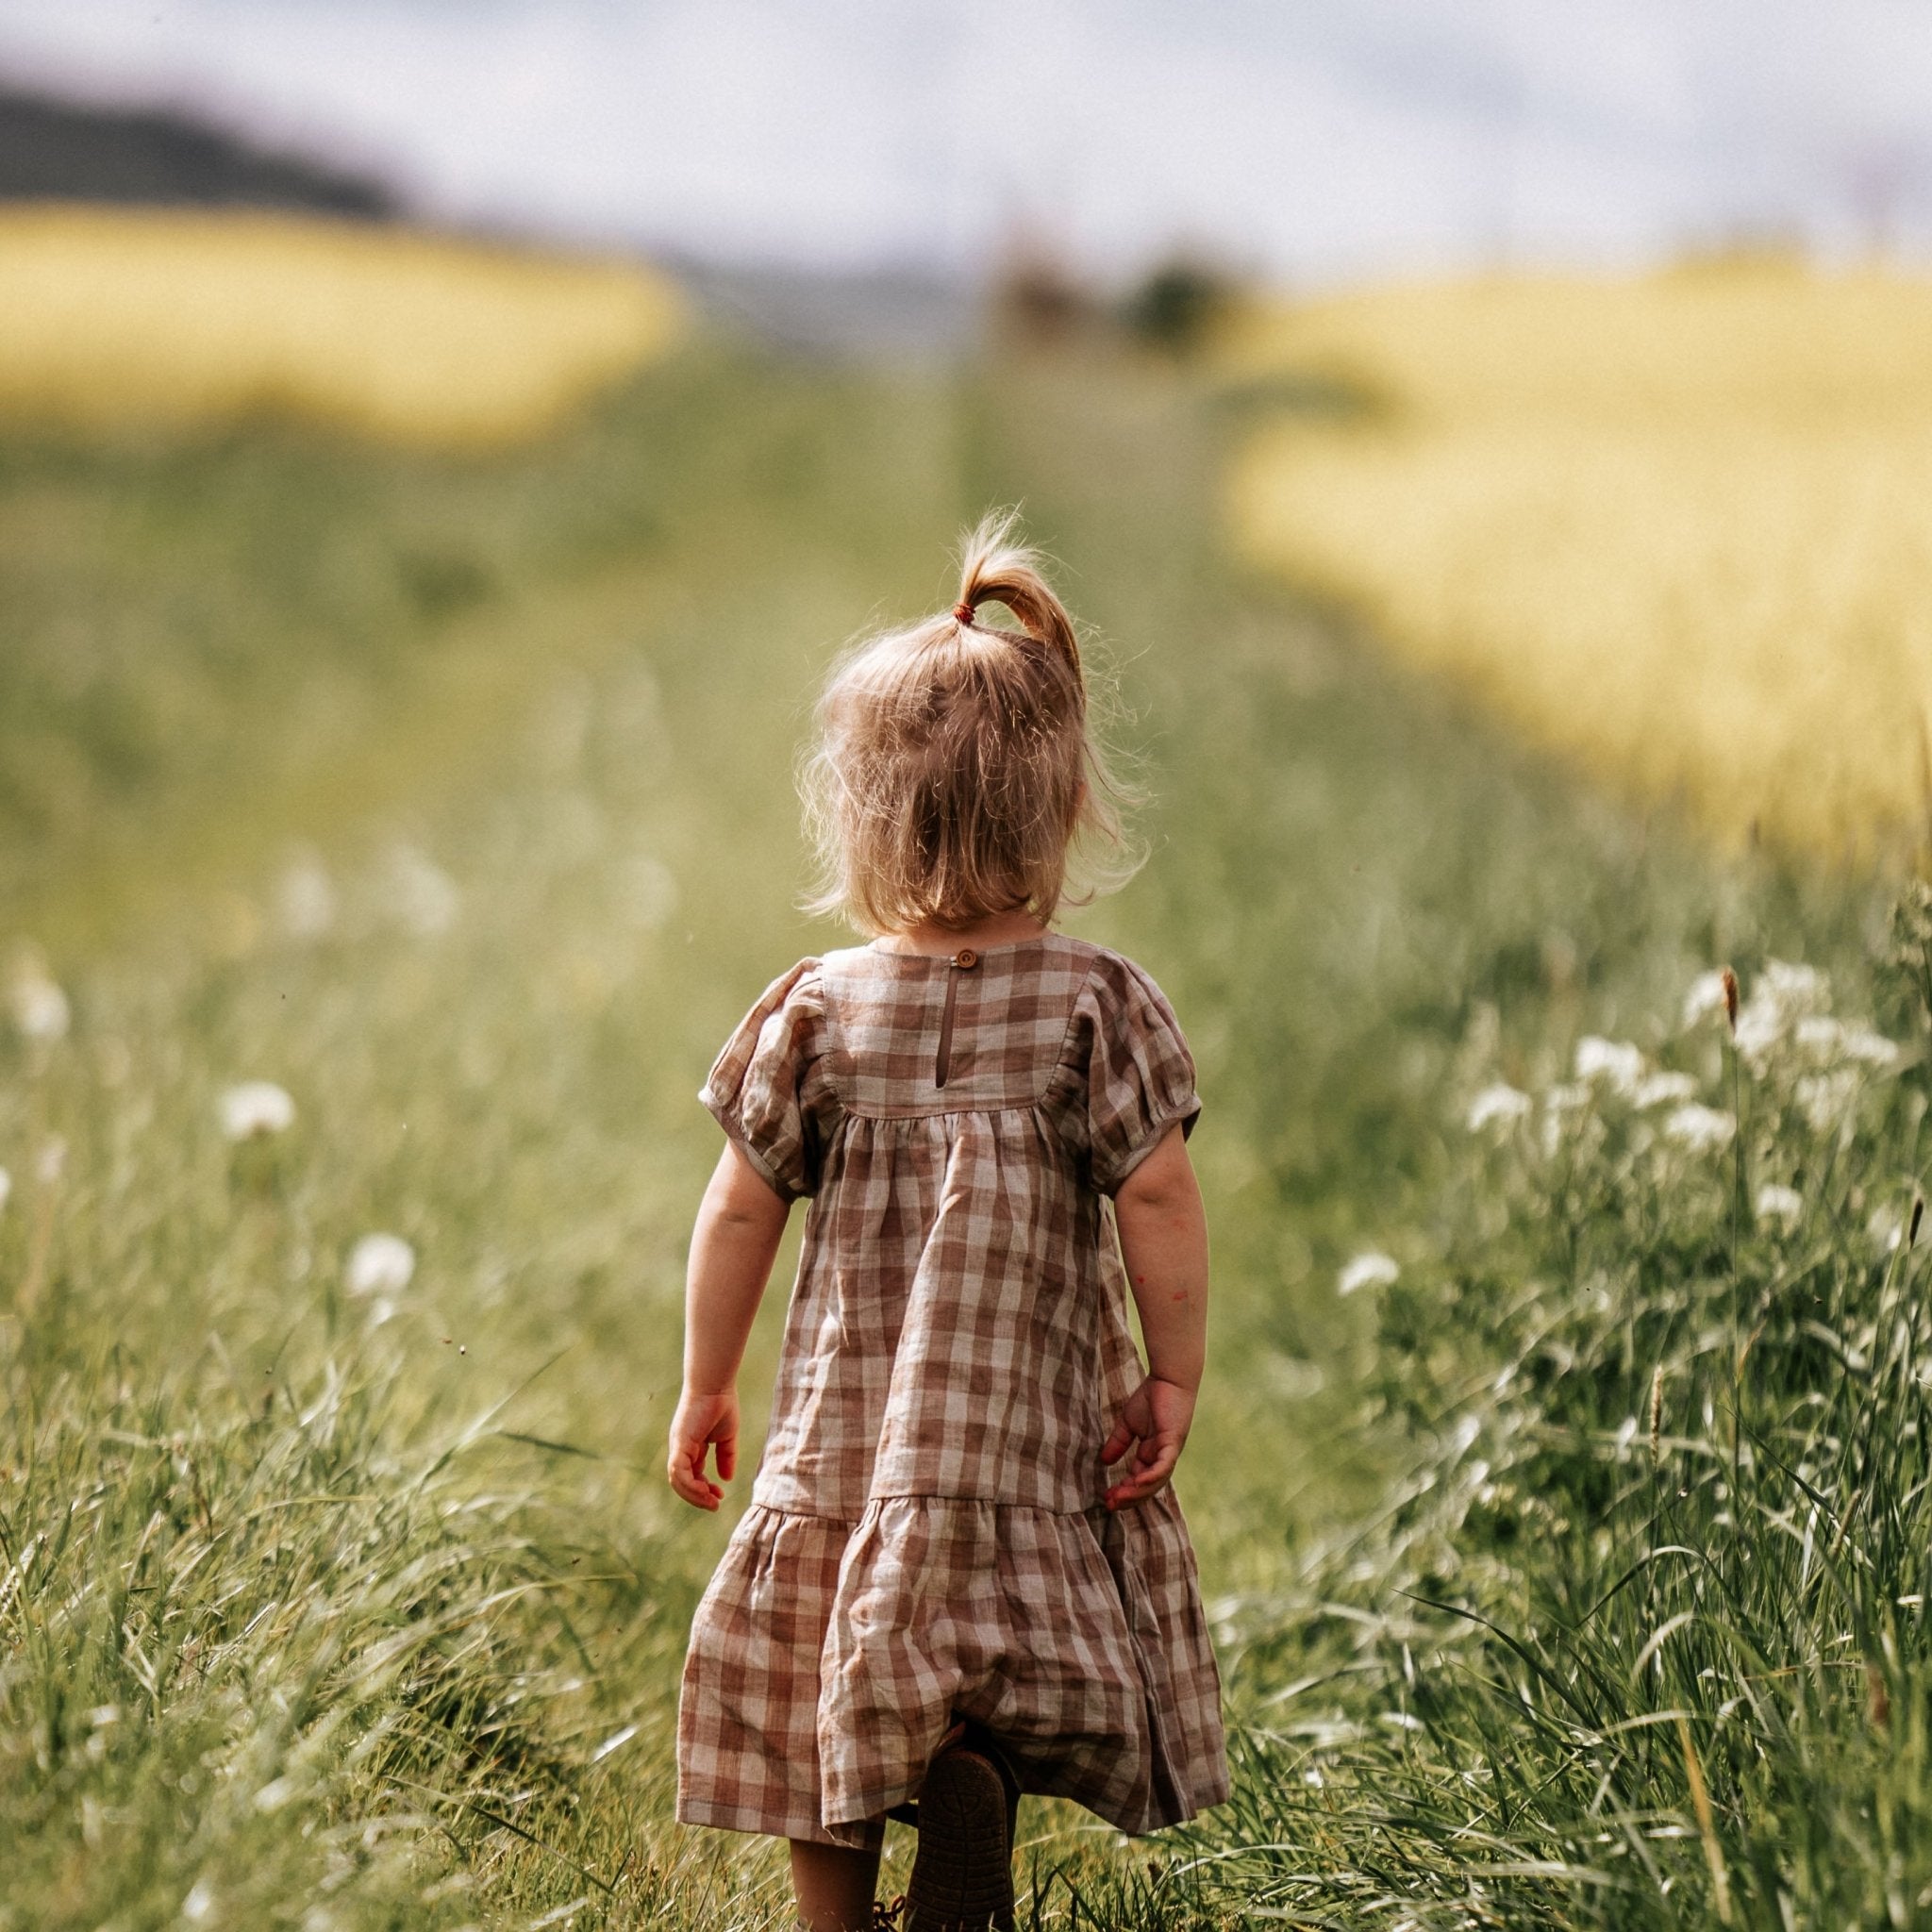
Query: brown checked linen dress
[{"x": 926, "y": 1533}]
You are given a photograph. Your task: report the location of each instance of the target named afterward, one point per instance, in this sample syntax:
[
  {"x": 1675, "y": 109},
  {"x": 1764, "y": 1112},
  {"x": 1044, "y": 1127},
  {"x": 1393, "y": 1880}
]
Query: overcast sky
[{"x": 1315, "y": 141}]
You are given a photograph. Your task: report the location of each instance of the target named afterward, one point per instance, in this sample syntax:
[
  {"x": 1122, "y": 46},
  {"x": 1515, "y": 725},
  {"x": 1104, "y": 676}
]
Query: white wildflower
[
  {"x": 1796, "y": 987},
  {"x": 1826, "y": 1099},
  {"x": 1783, "y": 997},
  {"x": 199, "y": 1903},
  {"x": 40, "y": 1007},
  {"x": 1782, "y": 1204},
  {"x": 1702, "y": 1130},
  {"x": 1821, "y": 1035},
  {"x": 1657, "y": 1090},
  {"x": 305, "y": 897},
  {"x": 649, "y": 893},
  {"x": 1368, "y": 1270},
  {"x": 1616, "y": 1062},
  {"x": 379, "y": 1264},
  {"x": 426, "y": 898},
  {"x": 1761, "y": 1030},
  {"x": 1887, "y": 1231},
  {"x": 1293, "y": 1378},
  {"x": 1871, "y": 1048},
  {"x": 5, "y": 1188},
  {"x": 1559, "y": 1104},
  {"x": 51, "y": 1161},
  {"x": 255, "y": 1107},
  {"x": 1499, "y": 1105},
  {"x": 1705, "y": 999}
]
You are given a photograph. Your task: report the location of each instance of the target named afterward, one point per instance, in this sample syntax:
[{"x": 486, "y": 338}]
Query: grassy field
[
  {"x": 452, "y": 797},
  {"x": 1675, "y": 527},
  {"x": 172, "y": 318}
]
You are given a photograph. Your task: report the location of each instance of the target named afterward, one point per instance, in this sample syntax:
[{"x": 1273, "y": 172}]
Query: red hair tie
[{"x": 962, "y": 613}]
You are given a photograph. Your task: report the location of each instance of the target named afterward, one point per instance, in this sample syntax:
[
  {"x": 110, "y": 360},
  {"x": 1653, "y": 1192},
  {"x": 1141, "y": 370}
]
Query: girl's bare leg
[{"x": 834, "y": 1885}]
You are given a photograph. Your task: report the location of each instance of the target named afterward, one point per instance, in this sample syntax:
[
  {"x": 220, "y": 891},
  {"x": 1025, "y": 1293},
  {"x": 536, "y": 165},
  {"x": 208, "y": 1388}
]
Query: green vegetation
[{"x": 454, "y": 799}]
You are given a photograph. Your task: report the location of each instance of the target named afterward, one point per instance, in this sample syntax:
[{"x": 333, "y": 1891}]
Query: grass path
[{"x": 387, "y": 1603}]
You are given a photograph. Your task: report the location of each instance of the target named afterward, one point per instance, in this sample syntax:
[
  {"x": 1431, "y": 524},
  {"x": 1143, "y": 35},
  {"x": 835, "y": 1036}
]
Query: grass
[
  {"x": 1642, "y": 1639},
  {"x": 326, "y": 1614},
  {"x": 174, "y": 317},
  {"x": 1671, "y": 525}
]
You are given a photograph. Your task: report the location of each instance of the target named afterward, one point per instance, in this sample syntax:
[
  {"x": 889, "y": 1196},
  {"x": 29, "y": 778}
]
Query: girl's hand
[
  {"x": 700, "y": 1422},
  {"x": 1158, "y": 1416}
]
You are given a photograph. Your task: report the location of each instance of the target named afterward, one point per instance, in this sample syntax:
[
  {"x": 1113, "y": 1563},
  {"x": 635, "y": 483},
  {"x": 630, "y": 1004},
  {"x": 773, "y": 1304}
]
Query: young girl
[{"x": 950, "y": 1585}]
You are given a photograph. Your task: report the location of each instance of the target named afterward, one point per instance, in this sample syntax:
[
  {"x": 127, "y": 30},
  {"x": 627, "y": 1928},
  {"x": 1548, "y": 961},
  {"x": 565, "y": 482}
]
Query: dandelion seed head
[
  {"x": 649, "y": 893},
  {"x": 1707, "y": 997},
  {"x": 40, "y": 1009},
  {"x": 1887, "y": 1231},
  {"x": 255, "y": 1108},
  {"x": 1784, "y": 996},
  {"x": 305, "y": 897},
  {"x": 379, "y": 1264},
  {"x": 1500, "y": 1106},
  {"x": 1820, "y": 1034},
  {"x": 1796, "y": 987},
  {"x": 1564, "y": 1108},
  {"x": 1616, "y": 1063},
  {"x": 426, "y": 898},
  {"x": 1826, "y": 1100},
  {"x": 1759, "y": 1032},
  {"x": 1702, "y": 1129},
  {"x": 1370, "y": 1269},
  {"x": 1658, "y": 1090},
  {"x": 1871, "y": 1048}
]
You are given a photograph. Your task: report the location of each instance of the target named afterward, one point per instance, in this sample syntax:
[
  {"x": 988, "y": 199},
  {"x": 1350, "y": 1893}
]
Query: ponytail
[{"x": 996, "y": 568}]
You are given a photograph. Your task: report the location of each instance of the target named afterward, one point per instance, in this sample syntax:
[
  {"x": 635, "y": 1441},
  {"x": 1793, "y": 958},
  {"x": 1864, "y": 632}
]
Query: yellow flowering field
[
  {"x": 137, "y": 316},
  {"x": 1677, "y": 527}
]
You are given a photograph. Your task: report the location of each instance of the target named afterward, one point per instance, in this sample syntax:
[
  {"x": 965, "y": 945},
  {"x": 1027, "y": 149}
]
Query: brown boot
[{"x": 962, "y": 1873}]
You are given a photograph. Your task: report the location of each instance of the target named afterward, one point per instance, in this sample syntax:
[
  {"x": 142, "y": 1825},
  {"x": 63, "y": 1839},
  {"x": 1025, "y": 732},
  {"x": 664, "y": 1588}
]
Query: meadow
[
  {"x": 1674, "y": 526},
  {"x": 450, "y": 794}
]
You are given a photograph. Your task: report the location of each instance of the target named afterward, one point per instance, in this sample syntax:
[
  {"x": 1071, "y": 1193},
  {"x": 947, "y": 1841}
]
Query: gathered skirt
[{"x": 828, "y": 1658}]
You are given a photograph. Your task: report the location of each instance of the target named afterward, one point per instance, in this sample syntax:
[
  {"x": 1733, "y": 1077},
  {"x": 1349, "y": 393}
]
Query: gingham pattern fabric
[{"x": 926, "y": 1533}]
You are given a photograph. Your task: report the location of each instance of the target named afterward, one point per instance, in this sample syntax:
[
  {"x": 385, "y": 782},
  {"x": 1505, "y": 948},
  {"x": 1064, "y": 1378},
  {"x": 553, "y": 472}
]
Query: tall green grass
[
  {"x": 1641, "y": 1639},
  {"x": 327, "y": 1610}
]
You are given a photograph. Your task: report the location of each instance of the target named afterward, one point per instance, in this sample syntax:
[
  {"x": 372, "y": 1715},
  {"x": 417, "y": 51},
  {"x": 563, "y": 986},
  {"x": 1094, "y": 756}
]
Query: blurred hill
[{"x": 62, "y": 150}]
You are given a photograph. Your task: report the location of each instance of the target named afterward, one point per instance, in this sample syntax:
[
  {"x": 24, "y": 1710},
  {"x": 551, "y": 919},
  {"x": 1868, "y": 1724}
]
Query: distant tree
[
  {"x": 58, "y": 150},
  {"x": 1177, "y": 302}
]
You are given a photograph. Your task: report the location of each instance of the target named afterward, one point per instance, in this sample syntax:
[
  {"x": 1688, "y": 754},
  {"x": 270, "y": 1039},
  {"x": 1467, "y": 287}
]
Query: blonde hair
[{"x": 957, "y": 762}]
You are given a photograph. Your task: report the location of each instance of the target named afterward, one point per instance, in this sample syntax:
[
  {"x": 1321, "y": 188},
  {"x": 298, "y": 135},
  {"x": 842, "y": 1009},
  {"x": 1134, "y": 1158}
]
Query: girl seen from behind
[{"x": 963, "y": 1573}]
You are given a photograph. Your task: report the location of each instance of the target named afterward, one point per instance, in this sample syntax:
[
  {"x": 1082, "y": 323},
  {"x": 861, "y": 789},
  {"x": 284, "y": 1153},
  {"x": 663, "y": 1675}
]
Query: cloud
[{"x": 1360, "y": 136}]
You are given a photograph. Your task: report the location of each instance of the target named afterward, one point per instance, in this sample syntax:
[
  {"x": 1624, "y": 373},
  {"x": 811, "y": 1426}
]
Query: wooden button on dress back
[{"x": 965, "y": 959}]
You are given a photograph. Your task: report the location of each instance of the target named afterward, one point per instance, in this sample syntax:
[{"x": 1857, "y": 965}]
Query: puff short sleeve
[
  {"x": 767, "y": 1088},
  {"x": 1140, "y": 1073}
]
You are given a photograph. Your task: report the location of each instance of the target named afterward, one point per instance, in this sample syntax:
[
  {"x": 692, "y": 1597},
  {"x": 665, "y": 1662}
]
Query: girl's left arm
[
  {"x": 1164, "y": 1243},
  {"x": 732, "y": 1248}
]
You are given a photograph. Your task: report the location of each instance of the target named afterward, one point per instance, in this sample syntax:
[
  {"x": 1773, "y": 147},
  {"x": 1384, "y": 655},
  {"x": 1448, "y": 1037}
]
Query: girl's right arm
[
  {"x": 732, "y": 1248},
  {"x": 1164, "y": 1243}
]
